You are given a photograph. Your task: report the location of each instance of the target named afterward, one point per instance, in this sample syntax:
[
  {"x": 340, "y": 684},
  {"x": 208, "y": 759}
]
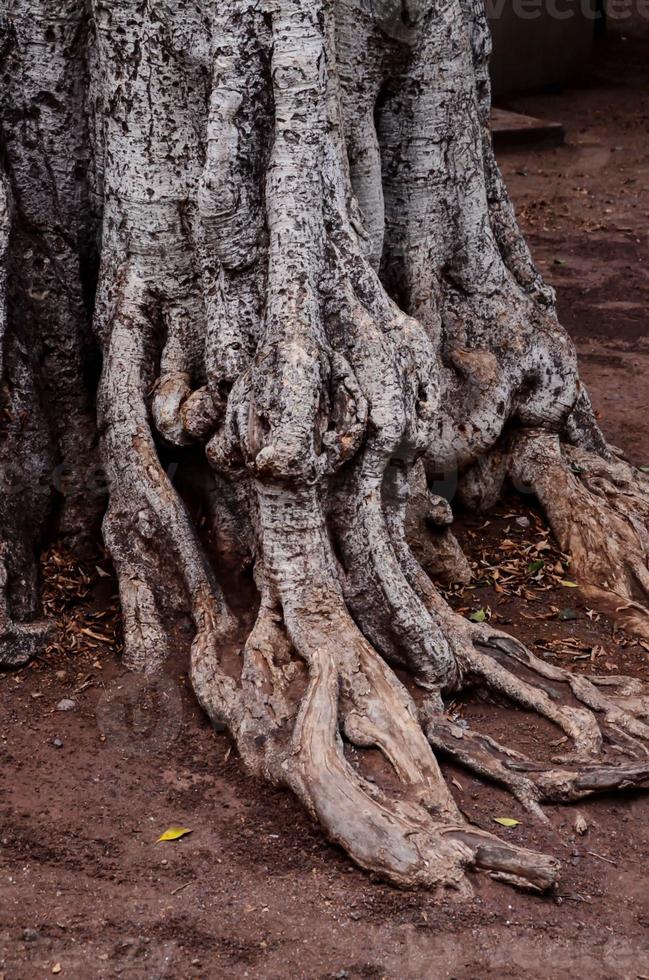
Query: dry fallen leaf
[
  {"x": 174, "y": 833},
  {"x": 479, "y": 616},
  {"x": 506, "y": 821},
  {"x": 581, "y": 824},
  {"x": 568, "y": 585}
]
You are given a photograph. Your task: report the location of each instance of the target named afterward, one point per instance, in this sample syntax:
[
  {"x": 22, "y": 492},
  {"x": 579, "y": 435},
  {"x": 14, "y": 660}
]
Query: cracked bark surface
[{"x": 311, "y": 287}]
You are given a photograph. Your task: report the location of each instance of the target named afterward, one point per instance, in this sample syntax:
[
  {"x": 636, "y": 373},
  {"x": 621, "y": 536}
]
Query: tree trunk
[{"x": 285, "y": 222}]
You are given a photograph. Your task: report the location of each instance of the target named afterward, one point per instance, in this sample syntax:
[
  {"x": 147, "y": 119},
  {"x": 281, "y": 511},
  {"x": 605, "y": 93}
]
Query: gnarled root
[
  {"x": 598, "y": 508},
  {"x": 604, "y": 718},
  {"x": 610, "y": 735},
  {"x": 147, "y": 523},
  {"x": 311, "y": 688},
  {"x": 19, "y": 642}
]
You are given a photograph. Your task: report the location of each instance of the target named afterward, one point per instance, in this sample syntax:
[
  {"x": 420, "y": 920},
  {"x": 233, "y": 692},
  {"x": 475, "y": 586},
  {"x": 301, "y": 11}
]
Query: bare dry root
[
  {"x": 604, "y": 718},
  {"x": 311, "y": 688},
  {"x": 19, "y": 642},
  {"x": 598, "y": 508},
  {"x": 147, "y": 528},
  {"x": 312, "y": 705}
]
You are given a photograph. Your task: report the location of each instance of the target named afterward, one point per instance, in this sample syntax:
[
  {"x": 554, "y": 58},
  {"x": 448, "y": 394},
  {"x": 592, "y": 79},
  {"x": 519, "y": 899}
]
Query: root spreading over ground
[{"x": 313, "y": 287}]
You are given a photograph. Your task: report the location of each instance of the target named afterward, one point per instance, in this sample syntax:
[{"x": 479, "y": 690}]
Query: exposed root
[
  {"x": 311, "y": 684},
  {"x": 146, "y": 520},
  {"x": 609, "y": 736},
  {"x": 606, "y": 731},
  {"x": 598, "y": 509},
  {"x": 530, "y": 782},
  {"x": 19, "y": 642}
]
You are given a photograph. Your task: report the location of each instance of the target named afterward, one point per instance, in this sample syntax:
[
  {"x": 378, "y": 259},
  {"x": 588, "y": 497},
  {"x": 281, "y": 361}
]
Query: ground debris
[{"x": 81, "y": 598}]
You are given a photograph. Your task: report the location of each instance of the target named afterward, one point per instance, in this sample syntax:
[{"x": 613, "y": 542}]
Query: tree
[{"x": 283, "y": 224}]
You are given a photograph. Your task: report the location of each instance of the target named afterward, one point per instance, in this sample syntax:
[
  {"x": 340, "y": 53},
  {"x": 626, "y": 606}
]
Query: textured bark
[
  {"x": 48, "y": 430},
  {"x": 312, "y": 285}
]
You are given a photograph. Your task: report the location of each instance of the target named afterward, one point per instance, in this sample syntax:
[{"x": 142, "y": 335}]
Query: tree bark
[{"x": 286, "y": 224}]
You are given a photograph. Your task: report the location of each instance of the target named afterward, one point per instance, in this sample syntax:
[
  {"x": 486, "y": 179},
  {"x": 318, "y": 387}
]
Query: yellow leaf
[
  {"x": 174, "y": 833},
  {"x": 569, "y": 585},
  {"x": 506, "y": 821},
  {"x": 56, "y": 968}
]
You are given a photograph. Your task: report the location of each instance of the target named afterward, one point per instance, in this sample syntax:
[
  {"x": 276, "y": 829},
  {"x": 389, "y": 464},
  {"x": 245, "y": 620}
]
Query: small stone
[
  {"x": 30, "y": 935},
  {"x": 57, "y": 743},
  {"x": 67, "y": 704},
  {"x": 523, "y": 521},
  {"x": 355, "y": 915},
  {"x": 567, "y": 615}
]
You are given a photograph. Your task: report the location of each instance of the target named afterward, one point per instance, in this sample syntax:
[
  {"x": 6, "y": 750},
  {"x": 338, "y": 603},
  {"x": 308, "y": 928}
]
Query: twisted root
[{"x": 598, "y": 509}]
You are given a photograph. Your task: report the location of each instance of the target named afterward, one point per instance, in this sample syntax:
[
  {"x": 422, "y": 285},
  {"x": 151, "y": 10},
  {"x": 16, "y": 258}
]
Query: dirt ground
[{"x": 254, "y": 890}]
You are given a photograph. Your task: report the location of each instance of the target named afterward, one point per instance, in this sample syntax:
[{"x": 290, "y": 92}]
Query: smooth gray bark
[{"x": 285, "y": 221}]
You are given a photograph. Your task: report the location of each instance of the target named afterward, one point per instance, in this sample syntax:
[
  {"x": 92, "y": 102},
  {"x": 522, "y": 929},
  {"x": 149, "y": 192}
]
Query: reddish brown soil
[{"x": 255, "y": 891}]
